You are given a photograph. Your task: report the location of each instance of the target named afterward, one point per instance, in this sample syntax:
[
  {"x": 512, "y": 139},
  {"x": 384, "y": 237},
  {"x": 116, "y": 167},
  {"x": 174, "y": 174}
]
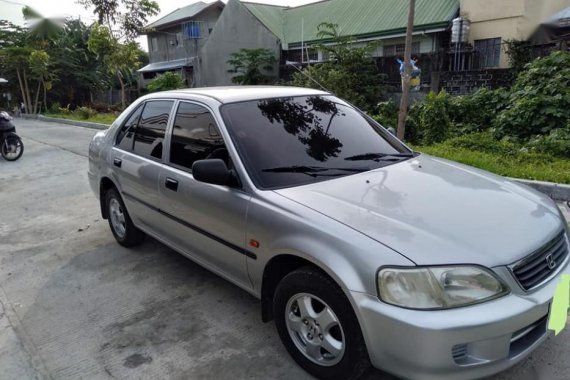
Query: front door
[
  {"x": 207, "y": 221},
  {"x": 137, "y": 158}
]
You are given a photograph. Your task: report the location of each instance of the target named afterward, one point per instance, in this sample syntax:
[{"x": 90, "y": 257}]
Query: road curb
[
  {"x": 84, "y": 124},
  {"x": 556, "y": 191}
]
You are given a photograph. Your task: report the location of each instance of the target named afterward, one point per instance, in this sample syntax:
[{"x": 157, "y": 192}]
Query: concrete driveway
[{"x": 76, "y": 305}]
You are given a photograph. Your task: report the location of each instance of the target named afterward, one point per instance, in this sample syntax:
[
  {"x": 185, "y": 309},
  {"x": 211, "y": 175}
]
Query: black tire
[
  {"x": 12, "y": 140},
  {"x": 131, "y": 236},
  {"x": 309, "y": 280}
]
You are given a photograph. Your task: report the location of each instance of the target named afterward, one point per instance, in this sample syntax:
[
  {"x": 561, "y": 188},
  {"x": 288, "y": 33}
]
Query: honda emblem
[{"x": 550, "y": 262}]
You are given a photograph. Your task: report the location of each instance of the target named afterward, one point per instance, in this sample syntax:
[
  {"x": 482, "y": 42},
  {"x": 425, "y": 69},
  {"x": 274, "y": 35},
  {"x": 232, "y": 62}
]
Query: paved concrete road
[{"x": 75, "y": 305}]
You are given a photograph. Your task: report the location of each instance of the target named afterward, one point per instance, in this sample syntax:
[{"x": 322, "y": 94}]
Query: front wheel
[
  {"x": 12, "y": 147},
  {"x": 318, "y": 327}
]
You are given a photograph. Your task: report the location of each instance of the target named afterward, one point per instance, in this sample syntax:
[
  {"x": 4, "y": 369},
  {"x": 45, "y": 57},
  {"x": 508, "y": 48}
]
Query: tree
[
  {"x": 407, "y": 73},
  {"x": 118, "y": 58},
  {"x": 79, "y": 71},
  {"x": 349, "y": 73},
  {"x": 40, "y": 66},
  {"x": 11, "y": 34},
  {"x": 250, "y": 64},
  {"x": 131, "y": 21},
  {"x": 16, "y": 59},
  {"x": 166, "y": 81}
]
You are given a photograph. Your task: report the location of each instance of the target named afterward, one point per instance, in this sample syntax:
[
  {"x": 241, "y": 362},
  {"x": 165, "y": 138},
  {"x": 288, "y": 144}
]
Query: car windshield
[{"x": 294, "y": 141}]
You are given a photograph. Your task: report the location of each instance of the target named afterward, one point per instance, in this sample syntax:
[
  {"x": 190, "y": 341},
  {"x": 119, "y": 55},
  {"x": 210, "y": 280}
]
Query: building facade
[
  {"x": 198, "y": 40},
  {"x": 176, "y": 40},
  {"x": 493, "y": 22}
]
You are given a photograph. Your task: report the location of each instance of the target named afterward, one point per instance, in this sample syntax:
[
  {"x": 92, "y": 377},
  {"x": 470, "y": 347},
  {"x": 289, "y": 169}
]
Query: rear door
[
  {"x": 137, "y": 157},
  {"x": 207, "y": 221}
]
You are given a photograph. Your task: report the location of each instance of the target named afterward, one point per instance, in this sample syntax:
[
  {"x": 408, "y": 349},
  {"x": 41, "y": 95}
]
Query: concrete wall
[
  {"x": 508, "y": 19},
  {"x": 467, "y": 82},
  {"x": 170, "y": 49},
  {"x": 236, "y": 28}
]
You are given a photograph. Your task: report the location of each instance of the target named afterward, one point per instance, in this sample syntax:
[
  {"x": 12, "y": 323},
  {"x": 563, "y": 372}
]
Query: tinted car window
[
  {"x": 127, "y": 132},
  {"x": 149, "y": 134},
  {"x": 293, "y": 141},
  {"x": 195, "y": 136}
]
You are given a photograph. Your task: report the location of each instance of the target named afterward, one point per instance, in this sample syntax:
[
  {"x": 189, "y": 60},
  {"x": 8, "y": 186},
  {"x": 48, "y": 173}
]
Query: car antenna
[{"x": 307, "y": 75}]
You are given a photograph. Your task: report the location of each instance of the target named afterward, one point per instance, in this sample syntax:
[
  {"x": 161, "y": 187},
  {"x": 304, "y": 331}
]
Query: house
[
  {"x": 175, "y": 40},
  {"x": 291, "y": 32},
  {"x": 493, "y": 22},
  {"x": 553, "y": 34},
  {"x": 198, "y": 40}
]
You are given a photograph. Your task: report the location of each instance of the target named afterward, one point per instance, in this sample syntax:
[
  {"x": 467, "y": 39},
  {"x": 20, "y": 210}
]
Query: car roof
[{"x": 232, "y": 94}]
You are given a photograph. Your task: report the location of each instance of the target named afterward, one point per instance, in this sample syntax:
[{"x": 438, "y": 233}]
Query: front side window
[
  {"x": 286, "y": 142},
  {"x": 195, "y": 136},
  {"x": 125, "y": 137},
  {"x": 489, "y": 51},
  {"x": 150, "y": 131}
]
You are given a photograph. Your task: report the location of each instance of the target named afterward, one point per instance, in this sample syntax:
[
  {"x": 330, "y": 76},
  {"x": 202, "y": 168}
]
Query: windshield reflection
[{"x": 310, "y": 123}]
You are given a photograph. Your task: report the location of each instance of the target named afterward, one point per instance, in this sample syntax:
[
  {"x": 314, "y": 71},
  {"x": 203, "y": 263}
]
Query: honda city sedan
[{"x": 363, "y": 252}]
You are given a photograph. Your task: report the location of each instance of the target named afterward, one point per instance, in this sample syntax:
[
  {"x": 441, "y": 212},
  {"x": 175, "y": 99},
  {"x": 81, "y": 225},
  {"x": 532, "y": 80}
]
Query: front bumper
[{"x": 463, "y": 343}]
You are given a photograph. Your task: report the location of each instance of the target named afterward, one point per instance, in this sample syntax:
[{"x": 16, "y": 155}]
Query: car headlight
[{"x": 442, "y": 287}]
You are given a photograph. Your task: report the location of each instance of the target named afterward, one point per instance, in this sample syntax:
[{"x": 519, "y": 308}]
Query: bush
[
  {"x": 387, "y": 114},
  {"x": 556, "y": 143},
  {"x": 166, "y": 81},
  {"x": 85, "y": 112},
  {"x": 475, "y": 112},
  {"x": 539, "y": 99},
  {"x": 54, "y": 108},
  {"x": 432, "y": 119},
  {"x": 64, "y": 110}
]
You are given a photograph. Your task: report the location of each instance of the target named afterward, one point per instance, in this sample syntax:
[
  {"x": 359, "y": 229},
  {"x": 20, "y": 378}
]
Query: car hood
[{"x": 435, "y": 211}]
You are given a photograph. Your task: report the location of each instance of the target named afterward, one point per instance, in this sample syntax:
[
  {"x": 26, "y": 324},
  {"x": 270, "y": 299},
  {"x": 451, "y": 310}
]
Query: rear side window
[
  {"x": 149, "y": 135},
  {"x": 126, "y": 134},
  {"x": 195, "y": 136}
]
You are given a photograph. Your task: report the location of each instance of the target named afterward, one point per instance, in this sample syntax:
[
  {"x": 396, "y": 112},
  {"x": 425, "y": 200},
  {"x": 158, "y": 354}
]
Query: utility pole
[{"x": 407, "y": 73}]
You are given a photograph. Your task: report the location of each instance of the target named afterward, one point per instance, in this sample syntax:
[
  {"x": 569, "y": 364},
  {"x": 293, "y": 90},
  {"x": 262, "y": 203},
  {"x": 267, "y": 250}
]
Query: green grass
[
  {"x": 525, "y": 165},
  {"x": 103, "y": 118}
]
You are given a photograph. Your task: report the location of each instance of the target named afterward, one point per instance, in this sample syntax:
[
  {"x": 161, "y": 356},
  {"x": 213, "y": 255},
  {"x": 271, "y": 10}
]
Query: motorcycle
[{"x": 11, "y": 146}]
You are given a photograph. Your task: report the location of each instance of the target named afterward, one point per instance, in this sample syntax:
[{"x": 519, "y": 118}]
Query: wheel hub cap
[
  {"x": 117, "y": 217},
  {"x": 315, "y": 329}
]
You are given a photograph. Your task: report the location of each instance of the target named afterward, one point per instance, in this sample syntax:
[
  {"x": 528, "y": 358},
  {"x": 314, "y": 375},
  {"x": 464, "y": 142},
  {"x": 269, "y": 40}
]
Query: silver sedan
[{"x": 361, "y": 250}]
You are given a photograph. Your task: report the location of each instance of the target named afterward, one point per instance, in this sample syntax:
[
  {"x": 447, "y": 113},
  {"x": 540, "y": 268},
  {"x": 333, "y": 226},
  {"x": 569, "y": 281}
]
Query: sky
[{"x": 11, "y": 10}]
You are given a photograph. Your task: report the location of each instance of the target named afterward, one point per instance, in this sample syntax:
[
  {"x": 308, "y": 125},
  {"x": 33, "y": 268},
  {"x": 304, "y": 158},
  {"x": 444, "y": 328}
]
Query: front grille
[{"x": 541, "y": 264}]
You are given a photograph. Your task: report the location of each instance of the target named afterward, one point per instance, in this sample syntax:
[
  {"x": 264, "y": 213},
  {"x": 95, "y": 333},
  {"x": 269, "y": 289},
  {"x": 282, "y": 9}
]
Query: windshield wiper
[
  {"x": 380, "y": 157},
  {"x": 314, "y": 171}
]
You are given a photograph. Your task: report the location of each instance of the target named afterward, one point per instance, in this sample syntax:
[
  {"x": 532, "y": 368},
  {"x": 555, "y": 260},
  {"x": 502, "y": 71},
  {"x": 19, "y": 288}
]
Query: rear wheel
[
  {"x": 120, "y": 222},
  {"x": 318, "y": 327},
  {"x": 12, "y": 147}
]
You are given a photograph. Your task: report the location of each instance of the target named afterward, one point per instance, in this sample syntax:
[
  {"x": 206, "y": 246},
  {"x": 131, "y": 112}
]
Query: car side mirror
[
  {"x": 391, "y": 130},
  {"x": 212, "y": 171}
]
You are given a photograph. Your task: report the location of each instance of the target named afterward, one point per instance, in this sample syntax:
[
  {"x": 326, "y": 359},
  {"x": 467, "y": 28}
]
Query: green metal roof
[
  {"x": 182, "y": 13},
  {"x": 270, "y": 15},
  {"x": 360, "y": 18}
]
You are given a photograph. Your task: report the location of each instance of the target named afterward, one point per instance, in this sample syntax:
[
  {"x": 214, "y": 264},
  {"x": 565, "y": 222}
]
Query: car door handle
[
  {"x": 117, "y": 162},
  {"x": 171, "y": 184}
]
